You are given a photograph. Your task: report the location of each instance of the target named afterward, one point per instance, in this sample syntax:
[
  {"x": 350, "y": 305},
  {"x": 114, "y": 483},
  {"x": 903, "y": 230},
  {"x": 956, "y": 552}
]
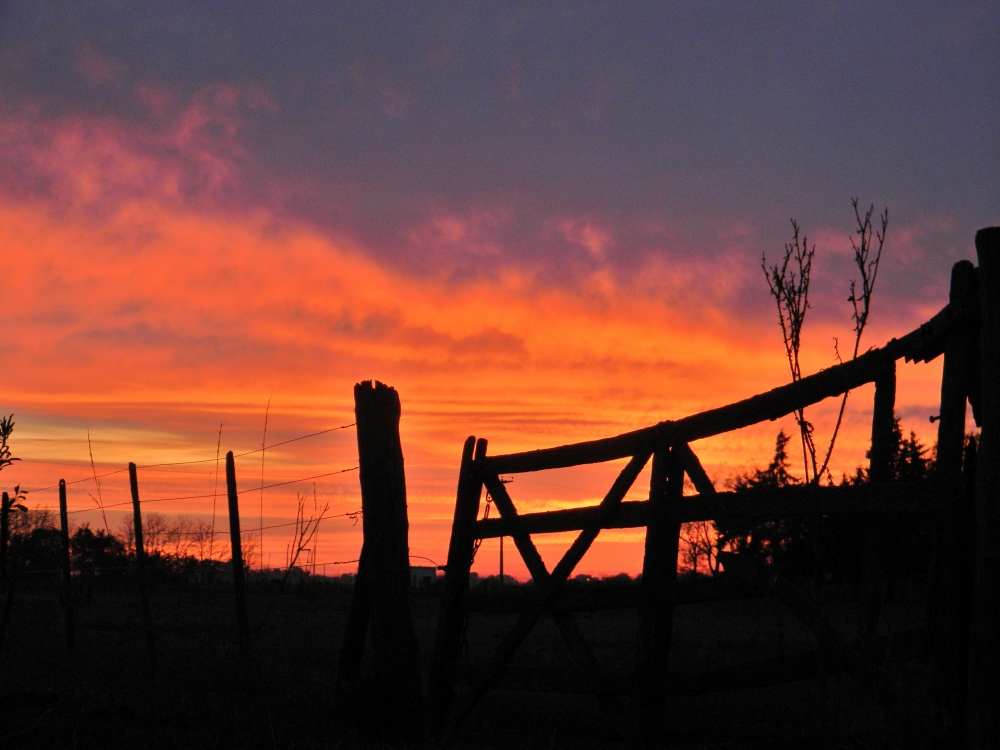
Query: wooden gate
[{"x": 952, "y": 332}]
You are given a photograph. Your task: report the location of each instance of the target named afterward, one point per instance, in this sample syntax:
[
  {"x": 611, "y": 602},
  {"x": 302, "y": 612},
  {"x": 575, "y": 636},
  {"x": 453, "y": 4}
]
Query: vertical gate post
[
  {"x": 66, "y": 576},
  {"x": 879, "y": 470},
  {"x": 659, "y": 574},
  {"x": 983, "y": 727},
  {"x": 948, "y": 607},
  {"x": 451, "y": 618},
  {"x": 386, "y": 568},
  {"x": 140, "y": 567},
  {"x": 239, "y": 573}
]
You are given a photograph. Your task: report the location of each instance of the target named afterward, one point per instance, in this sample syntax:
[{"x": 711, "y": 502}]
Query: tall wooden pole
[
  {"x": 386, "y": 569},
  {"x": 140, "y": 568},
  {"x": 983, "y": 721},
  {"x": 239, "y": 573},
  {"x": 66, "y": 574}
]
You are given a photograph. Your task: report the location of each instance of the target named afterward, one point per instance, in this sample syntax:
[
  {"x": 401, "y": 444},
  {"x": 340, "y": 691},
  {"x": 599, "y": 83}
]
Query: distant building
[{"x": 421, "y": 576}]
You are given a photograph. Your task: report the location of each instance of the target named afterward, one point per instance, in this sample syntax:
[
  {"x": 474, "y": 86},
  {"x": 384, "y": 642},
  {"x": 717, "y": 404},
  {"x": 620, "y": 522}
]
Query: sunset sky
[{"x": 539, "y": 223}]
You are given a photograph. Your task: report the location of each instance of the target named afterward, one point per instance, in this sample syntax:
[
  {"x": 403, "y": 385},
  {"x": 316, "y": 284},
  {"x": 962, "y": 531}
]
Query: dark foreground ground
[{"x": 105, "y": 696}]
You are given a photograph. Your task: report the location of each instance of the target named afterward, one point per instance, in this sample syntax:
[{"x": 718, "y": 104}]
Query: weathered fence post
[
  {"x": 140, "y": 567},
  {"x": 4, "y": 538},
  {"x": 659, "y": 574},
  {"x": 384, "y": 571},
  {"x": 983, "y": 722},
  {"x": 239, "y": 574},
  {"x": 5, "y": 587},
  {"x": 451, "y": 618},
  {"x": 949, "y": 604},
  {"x": 66, "y": 575}
]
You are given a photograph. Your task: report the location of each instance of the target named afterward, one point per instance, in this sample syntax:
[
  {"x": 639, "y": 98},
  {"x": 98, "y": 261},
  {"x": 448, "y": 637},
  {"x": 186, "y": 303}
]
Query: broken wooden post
[
  {"x": 659, "y": 574},
  {"x": 385, "y": 568},
  {"x": 949, "y": 602},
  {"x": 66, "y": 574},
  {"x": 140, "y": 568},
  {"x": 239, "y": 573},
  {"x": 983, "y": 721}
]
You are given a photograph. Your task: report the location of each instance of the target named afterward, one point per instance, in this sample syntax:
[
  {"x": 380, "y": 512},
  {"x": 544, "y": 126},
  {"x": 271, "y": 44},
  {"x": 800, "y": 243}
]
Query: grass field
[{"x": 200, "y": 696}]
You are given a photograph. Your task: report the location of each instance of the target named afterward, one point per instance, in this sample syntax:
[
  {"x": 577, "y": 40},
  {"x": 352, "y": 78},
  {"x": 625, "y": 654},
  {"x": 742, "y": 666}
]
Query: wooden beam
[
  {"x": 920, "y": 498},
  {"x": 550, "y": 590},
  {"x": 921, "y": 344},
  {"x": 699, "y": 478}
]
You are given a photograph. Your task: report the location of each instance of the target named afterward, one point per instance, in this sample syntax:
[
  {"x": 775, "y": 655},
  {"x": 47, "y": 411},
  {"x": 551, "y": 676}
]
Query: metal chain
[{"x": 486, "y": 514}]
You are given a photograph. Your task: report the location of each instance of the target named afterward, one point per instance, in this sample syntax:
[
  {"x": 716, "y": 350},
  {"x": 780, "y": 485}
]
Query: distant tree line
[{"x": 176, "y": 548}]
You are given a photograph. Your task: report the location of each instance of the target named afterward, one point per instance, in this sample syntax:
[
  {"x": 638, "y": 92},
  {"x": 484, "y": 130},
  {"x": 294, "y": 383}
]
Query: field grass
[{"x": 201, "y": 697}]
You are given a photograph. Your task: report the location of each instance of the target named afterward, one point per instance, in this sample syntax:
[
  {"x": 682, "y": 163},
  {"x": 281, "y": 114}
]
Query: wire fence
[{"x": 97, "y": 504}]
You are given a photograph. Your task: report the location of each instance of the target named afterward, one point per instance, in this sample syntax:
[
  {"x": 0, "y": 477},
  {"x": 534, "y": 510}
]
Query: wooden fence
[{"x": 953, "y": 333}]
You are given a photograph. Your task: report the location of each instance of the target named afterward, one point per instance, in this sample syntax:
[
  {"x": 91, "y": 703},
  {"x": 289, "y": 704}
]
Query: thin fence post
[
  {"x": 239, "y": 588},
  {"x": 385, "y": 569},
  {"x": 983, "y": 722},
  {"x": 66, "y": 575},
  {"x": 951, "y": 593},
  {"x": 451, "y": 617},
  {"x": 659, "y": 574},
  {"x": 7, "y": 587},
  {"x": 140, "y": 568},
  {"x": 4, "y": 539}
]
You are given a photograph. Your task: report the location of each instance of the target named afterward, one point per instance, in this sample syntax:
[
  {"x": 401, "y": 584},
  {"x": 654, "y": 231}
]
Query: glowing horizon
[{"x": 539, "y": 228}]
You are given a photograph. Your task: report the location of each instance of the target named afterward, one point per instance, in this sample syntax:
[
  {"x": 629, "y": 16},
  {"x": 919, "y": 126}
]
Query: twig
[
  {"x": 100, "y": 498},
  {"x": 868, "y": 268},
  {"x": 791, "y": 294}
]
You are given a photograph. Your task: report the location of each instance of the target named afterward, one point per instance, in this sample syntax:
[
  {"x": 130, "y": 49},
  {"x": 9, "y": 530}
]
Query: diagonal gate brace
[
  {"x": 550, "y": 589},
  {"x": 564, "y": 621}
]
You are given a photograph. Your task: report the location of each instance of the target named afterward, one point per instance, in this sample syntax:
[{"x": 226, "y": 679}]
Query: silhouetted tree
[
  {"x": 96, "y": 553},
  {"x": 788, "y": 282},
  {"x": 781, "y": 542}
]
